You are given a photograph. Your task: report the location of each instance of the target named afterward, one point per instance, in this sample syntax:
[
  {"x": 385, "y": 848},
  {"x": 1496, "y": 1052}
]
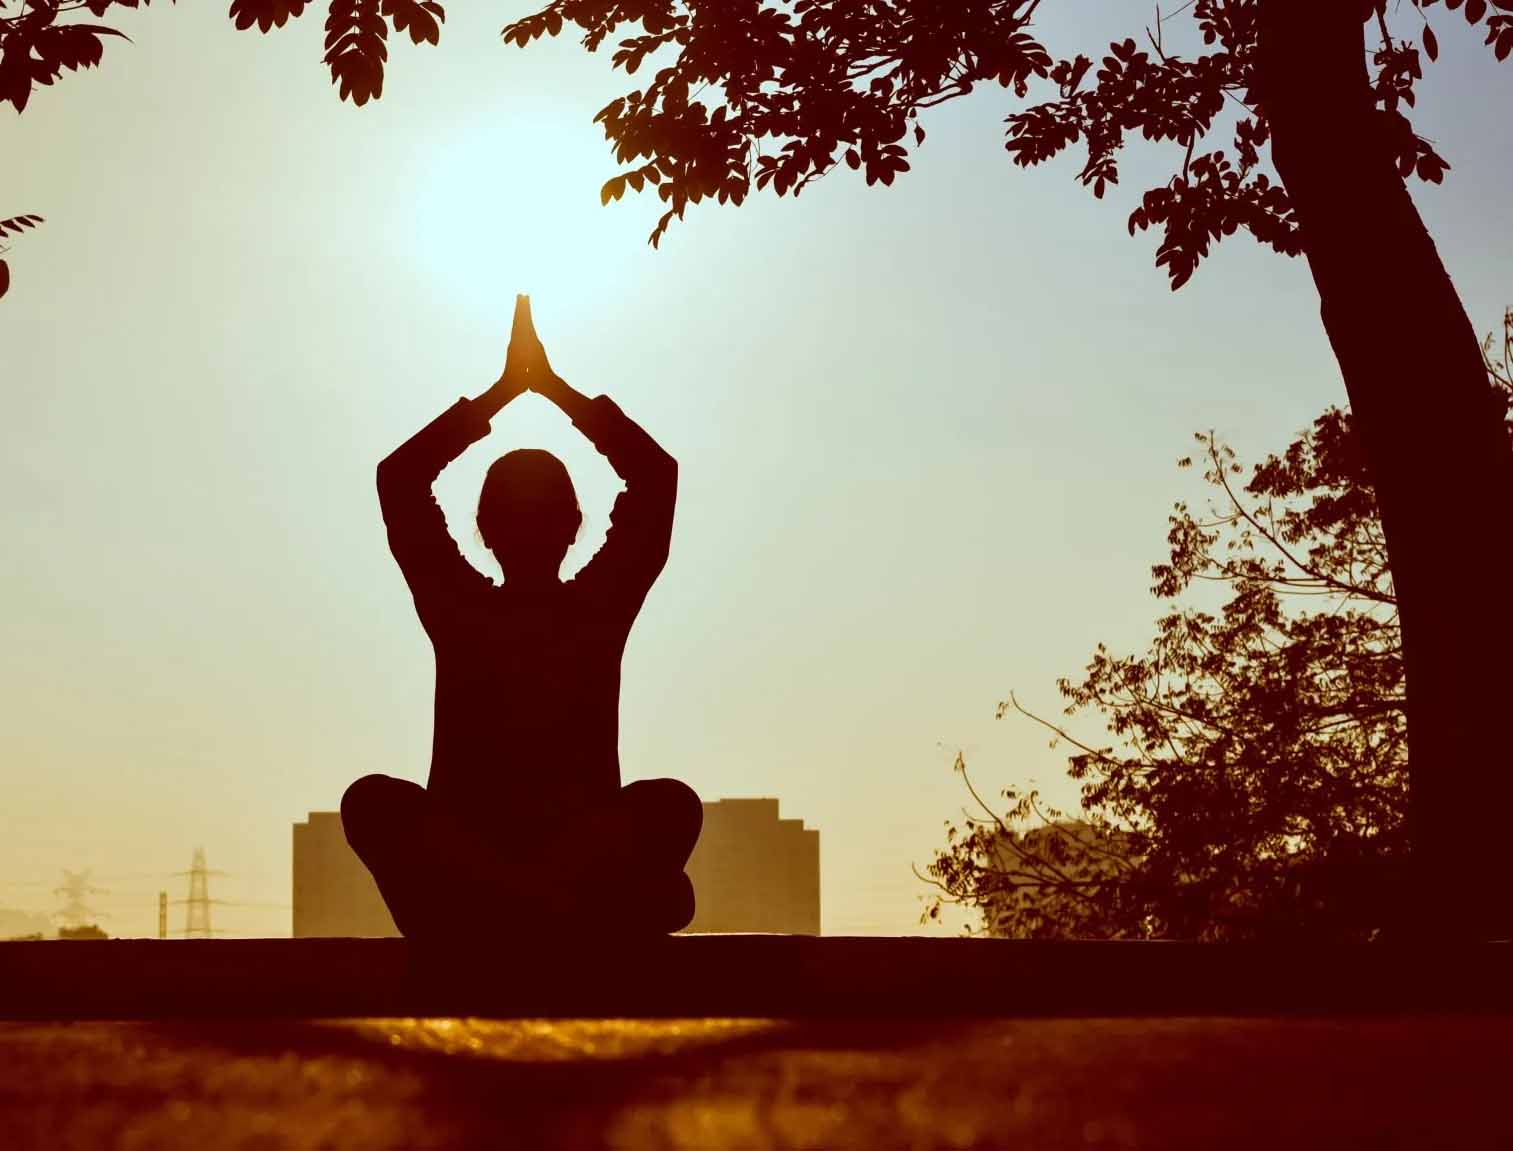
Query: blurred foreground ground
[{"x": 1416, "y": 1081}]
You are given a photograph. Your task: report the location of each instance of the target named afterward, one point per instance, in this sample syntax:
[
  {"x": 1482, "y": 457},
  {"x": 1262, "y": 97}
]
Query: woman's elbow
[
  {"x": 666, "y": 470},
  {"x": 388, "y": 477}
]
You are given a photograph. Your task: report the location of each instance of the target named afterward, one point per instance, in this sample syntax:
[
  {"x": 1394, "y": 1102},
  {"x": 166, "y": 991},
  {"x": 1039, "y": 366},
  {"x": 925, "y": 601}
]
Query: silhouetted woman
[{"x": 523, "y": 823}]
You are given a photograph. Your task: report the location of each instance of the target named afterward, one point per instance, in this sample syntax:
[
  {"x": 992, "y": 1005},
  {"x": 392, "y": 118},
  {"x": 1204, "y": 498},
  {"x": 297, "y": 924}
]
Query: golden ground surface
[{"x": 729, "y": 1083}]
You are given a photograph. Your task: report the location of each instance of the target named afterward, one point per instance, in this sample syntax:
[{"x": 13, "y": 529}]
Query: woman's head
[{"x": 528, "y": 513}]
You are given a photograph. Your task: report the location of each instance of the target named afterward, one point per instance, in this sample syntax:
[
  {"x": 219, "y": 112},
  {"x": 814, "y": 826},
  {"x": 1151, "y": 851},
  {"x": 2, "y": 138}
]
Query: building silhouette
[
  {"x": 1033, "y": 866},
  {"x": 753, "y": 871},
  {"x": 88, "y": 931},
  {"x": 334, "y": 894}
]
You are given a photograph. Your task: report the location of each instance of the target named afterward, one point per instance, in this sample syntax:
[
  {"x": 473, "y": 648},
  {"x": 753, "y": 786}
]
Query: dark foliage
[
  {"x": 775, "y": 94},
  {"x": 14, "y": 227},
  {"x": 38, "y": 43},
  {"x": 36, "y": 47},
  {"x": 1260, "y": 788}
]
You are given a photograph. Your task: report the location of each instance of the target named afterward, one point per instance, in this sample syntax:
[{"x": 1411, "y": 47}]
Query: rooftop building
[
  {"x": 753, "y": 871},
  {"x": 334, "y": 894}
]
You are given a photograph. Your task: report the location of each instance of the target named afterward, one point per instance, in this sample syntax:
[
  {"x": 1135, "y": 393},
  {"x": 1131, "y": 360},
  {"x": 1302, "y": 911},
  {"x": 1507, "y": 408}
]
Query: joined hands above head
[{"x": 526, "y": 368}]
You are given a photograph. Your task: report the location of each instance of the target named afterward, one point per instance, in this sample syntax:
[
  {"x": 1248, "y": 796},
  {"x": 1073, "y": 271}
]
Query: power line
[
  {"x": 80, "y": 896},
  {"x": 239, "y": 903}
]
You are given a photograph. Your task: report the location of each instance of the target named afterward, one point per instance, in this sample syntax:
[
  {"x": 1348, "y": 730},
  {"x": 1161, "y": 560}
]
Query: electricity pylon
[
  {"x": 197, "y": 906},
  {"x": 75, "y": 891}
]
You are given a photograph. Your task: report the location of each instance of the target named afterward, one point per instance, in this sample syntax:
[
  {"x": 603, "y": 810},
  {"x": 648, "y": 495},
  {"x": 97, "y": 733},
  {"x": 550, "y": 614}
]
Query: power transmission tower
[
  {"x": 197, "y": 917},
  {"x": 75, "y": 891}
]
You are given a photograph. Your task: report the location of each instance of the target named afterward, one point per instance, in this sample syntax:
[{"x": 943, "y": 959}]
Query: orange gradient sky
[{"x": 926, "y": 439}]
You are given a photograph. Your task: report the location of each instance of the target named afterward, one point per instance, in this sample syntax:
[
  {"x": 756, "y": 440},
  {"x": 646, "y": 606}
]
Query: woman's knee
[
  {"x": 669, "y": 807},
  {"x": 374, "y": 805},
  {"x": 688, "y": 811}
]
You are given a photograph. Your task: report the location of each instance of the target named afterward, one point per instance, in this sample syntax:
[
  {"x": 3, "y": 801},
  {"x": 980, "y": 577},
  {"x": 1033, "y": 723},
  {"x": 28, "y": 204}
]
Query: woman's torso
[{"x": 527, "y": 704}]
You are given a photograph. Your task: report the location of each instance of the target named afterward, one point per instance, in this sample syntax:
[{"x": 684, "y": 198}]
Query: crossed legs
[{"x": 618, "y": 868}]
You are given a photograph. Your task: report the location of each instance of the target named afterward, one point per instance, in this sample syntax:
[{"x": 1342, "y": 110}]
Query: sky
[{"x": 926, "y": 439}]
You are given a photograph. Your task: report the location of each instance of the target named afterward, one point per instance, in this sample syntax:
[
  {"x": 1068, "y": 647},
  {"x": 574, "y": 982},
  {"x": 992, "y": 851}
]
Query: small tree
[
  {"x": 1031, "y": 873},
  {"x": 1261, "y": 788}
]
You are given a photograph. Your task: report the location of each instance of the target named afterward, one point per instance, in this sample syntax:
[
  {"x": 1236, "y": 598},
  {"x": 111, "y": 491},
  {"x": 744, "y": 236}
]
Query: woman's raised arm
[{"x": 426, "y": 553}]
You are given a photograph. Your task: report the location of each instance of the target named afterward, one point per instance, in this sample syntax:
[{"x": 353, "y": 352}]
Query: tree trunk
[{"x": 1435, "y": 447}]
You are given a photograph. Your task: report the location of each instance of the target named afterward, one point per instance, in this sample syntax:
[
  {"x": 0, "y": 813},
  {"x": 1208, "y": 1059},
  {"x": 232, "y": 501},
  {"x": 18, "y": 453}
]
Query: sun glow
[
  {"x": 500, "y": 204},
  {"x": 505, "y": 205}
]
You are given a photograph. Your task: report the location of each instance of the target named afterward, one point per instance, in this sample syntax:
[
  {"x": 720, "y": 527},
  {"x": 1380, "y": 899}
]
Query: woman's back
[
  {"x": 527, "y": 701},
  {"x": 526, "y": 721}
]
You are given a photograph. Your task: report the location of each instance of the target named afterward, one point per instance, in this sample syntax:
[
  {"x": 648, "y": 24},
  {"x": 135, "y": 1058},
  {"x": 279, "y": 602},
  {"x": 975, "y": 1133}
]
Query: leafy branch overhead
[
  {"x": 40, "y": 40},
  {"x": 776, "y": 93},
  {"x": 37, "y": 44},
  {"x": 36, "y": 49},
  {"x": 12, "y": 227}
]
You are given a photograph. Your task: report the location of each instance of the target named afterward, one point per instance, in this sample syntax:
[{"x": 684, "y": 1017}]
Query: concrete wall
[
  {"x": 334, "y": 894},
  {"x": 754, "y": 871}
]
